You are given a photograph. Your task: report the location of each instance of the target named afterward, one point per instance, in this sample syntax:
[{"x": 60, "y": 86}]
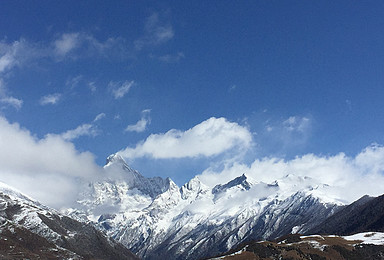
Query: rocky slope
[
  {"x": 30, "y": 230},
  {"x": 365, "y": 214}
]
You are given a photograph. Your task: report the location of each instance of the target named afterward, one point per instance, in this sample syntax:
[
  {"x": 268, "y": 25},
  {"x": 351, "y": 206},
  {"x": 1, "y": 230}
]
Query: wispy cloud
[
  {"x": 8, "y": 100},
  {"x": 66, "y": 43},
  {"x": 296, "y": 123},
  {"x": 119, "y": 90},
  {"x": 99, "y": 117},
  {"x": 17, "y": 53},
  {"x": 12, "y": 101},
  {"x": 74, "y": 81},
  {"x": 142, "y": 124},
  {"x": 172, "y": 58},
  {"x": 211, "y": 137},
  {"x": 78, "y": 44},
  {"x": 232, "y": 88},
  {"x": 81, "y": 130},
  {"x": 92, "y": 86},
  {"x": 155, "y": 32},
  {"x": 50, "y": 99}
]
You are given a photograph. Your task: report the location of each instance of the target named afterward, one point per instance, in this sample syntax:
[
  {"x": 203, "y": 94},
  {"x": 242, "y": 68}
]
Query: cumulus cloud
[
  {"x": 50, "y": 99},
  {"x": 211, "y": 137},
  {"x": 348, "y": 178},
  {"x": 48, "y": 169},
  {"x": 141, "y": 125},
  {"x": 119, "y": 90},
  {"x": 155, "y": 32}
]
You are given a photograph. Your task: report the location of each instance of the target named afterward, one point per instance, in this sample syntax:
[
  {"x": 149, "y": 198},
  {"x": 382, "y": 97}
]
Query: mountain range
[{"x": 154, "y": 218}]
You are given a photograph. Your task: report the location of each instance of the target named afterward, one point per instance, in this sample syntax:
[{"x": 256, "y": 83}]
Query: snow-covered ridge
[
  {"x": 156, "y": 218},
  {"x": 25, "y": 219}
]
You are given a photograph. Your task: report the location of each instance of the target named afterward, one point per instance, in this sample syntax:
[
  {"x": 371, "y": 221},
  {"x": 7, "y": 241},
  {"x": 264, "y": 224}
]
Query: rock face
[
  {"x": 155, "y": 218},
  {"x": 30, "y": 230}
]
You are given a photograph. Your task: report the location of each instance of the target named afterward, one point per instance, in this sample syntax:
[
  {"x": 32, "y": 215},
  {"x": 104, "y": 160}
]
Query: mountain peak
[
  {"x": 240, "y": 181},
  {"x": 113, "y": 158}
]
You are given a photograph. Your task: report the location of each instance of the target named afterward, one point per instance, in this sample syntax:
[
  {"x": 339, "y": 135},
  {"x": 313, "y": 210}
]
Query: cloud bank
[
  {"x": 48, "y": 169},
  {"x": 211, "y": 137},
  {"x": 349, "y": 177}
]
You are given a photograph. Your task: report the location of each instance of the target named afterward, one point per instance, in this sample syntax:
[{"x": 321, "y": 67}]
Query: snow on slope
[
  {"x": 155, "y": 218},
  {"x": 45, "y": 233},
  {"x": 375, "y": 238}
]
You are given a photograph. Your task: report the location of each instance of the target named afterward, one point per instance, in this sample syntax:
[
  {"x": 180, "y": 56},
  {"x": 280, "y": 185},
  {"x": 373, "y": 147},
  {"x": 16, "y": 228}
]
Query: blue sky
[{"x": 236, "y": 81}]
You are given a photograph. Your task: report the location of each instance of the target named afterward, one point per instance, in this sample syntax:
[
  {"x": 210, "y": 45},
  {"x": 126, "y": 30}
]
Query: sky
[{"x": 184, "y": 88}]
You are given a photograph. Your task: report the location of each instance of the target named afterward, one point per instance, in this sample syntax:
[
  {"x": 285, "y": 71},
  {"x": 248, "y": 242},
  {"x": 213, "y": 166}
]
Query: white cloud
[
  {"x": 211, "y": 137},
  {"x": 50, "y": 99},
  {"x": 349, "y": 177},
  {"x": 119, "y": 90},
  {"x": 48, "y": 169},
  {"x": 81, "y": 130},
  {"x": 156, "y": 32},
  {"x": 141, "y": 125}
]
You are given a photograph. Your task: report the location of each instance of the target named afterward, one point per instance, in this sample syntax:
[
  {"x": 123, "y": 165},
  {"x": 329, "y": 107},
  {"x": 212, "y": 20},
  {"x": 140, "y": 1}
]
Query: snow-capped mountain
[
  {"x": 30, "y": 230},
  {"x": 155, "y": 218}
]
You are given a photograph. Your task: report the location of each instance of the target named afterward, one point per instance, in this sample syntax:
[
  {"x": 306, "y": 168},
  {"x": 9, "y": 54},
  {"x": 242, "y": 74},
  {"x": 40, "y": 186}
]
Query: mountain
[
  {"x": 361, "y": 246},
  {"x": 30, "y": 230},
  {"x": 365, "y": 214},
  {"x": 155, "y": 218}
]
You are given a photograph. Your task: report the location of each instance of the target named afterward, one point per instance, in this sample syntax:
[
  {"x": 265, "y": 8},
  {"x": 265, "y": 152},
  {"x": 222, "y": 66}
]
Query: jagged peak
[{"x": 238, "y": 181}]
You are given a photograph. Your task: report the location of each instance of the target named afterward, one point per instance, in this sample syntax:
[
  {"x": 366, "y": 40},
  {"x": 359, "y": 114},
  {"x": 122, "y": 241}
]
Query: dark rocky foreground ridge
[
  {"x": 297, "y": 247},
  {"x": 29, "y": 230},
  {"x": 364, "y": 216}
]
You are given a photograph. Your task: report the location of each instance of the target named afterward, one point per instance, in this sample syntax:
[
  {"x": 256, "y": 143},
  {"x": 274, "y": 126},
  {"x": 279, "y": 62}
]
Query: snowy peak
[
  {"x": 193, "y": 189},
  {"x": 239, "y": 182}
]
